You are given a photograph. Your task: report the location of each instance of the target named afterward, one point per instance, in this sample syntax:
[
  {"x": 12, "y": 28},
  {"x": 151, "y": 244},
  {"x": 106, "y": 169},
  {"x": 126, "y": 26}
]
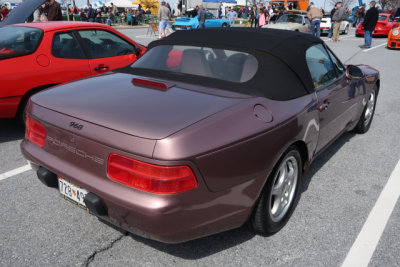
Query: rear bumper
[{"x": 166, "y": 218}]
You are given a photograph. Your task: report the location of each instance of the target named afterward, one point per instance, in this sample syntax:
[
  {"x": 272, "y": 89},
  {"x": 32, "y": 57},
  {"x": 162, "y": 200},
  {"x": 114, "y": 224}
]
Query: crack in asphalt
[{"x": 97, "y": 251}]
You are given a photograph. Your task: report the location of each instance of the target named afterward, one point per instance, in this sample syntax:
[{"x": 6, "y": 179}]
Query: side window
[
  {"x": 19, "y": 41},
  {"x": 66, "y": 46},
  {"x": 321, "y": 68},
  {"x": 209, "y": 16},
  {"x": 102, "y": 44},
  {"x": 338, "y": 65},
  {"x": 299, "y": 20}
]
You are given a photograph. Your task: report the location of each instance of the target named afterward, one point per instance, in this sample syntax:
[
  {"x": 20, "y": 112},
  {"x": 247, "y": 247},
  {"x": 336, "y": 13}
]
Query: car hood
[
  {"x": 22, "y": 12},
  {"x": 112, "y": 101},
  {"x": 282, "y": 26}
]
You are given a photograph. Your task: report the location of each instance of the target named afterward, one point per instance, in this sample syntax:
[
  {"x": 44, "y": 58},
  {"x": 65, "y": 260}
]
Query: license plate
[
  {"x": 177, "y": 28},
  {"x": 72, "y": 192}
]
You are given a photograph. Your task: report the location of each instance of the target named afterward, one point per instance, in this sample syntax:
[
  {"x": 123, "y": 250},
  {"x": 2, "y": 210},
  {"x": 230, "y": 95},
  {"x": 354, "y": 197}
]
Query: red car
[
  {"x": 35, "y": 56},
  {"x": 382, "y": 28}
]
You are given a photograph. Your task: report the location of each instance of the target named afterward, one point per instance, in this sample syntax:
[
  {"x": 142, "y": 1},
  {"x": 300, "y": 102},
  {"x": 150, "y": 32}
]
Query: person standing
[
  {"x": 315, "y": 16},
  {"x": 332, "y": 23},
  {"x": 261, "y": 18},
  {"x": 163, "y": 16},
  {"x": 91, "y": 13},
  {"x": 252, "y": 16},
  {"x": 337, "y": 19},
  {"x": 370, "y": 20},
  {"x": 220, "y": 12},
  {"x": 54, "y": 13},
  {"x": 201, "y": 17},
  {"x": 232, "y": 15},
  {"x": 4, "y": 12},
  {"x": 114, "y": 9}
]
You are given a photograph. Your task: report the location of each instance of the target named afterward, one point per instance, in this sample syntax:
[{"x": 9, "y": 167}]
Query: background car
[
  {"x": 291, "y": 21},
  {"x": 326, "y": 25},
  {"x": 35, "y": 56},
  {"x": 393, "y": 40},
  {"x": 382, "y": 28},
  {"x": 190, "y": 141},
  {"x": 188, "y": 23}
]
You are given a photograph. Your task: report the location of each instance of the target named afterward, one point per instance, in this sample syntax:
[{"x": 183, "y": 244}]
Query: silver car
[{"x": 292, "y": 22}]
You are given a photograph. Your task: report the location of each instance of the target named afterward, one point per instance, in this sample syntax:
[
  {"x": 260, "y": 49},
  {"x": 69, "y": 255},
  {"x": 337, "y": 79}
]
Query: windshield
[
  {"x": 18, "y": 41},
  {"x": 290, "y": 18},
  {"x": 382, "y": 18},
  {"x": 222, "y": 64}
]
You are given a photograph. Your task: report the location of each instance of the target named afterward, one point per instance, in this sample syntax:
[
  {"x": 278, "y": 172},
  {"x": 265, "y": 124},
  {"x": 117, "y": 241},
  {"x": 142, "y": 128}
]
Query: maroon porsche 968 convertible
[{"x": 208, "y": 130}]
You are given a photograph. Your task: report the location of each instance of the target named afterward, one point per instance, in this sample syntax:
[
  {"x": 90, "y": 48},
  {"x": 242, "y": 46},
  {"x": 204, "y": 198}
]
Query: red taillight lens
[
  {"x": 149, "y": 84},
  {"x": 35, "y": 131},
  {"x": 150, "y": 178}
]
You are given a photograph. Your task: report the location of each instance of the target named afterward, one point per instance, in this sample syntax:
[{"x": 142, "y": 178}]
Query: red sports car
[
  {"x": 382, "y": 28},
  {"x": 394, "y": 37},
  {"x": 35, "y": 56}
]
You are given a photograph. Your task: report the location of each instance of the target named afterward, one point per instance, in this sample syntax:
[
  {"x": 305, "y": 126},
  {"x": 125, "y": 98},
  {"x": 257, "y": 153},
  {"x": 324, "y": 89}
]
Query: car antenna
[{"x": 355, "y": 54}]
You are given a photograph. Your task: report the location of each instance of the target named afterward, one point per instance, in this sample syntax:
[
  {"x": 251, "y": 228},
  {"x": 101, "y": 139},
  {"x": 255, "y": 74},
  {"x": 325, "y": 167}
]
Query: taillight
[
  {"x": 149, "y": 84},
  {"x": 150, "y": 178},
  {"x": 35, "y": 131}
]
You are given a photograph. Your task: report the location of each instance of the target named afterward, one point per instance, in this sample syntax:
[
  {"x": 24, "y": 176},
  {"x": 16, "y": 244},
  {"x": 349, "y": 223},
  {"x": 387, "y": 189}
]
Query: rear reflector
[
  {"x": 150, "y": 178},
  {"x": 150, "y": 84},
  {"x": 35, "y": 131}
]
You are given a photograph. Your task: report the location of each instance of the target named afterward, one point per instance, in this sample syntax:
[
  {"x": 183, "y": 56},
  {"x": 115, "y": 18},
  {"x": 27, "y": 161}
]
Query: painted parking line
[
  {"x": 14, "y": 172},
  {"x": 363, "y": 248},
  {"x": 374, "y": 47}
]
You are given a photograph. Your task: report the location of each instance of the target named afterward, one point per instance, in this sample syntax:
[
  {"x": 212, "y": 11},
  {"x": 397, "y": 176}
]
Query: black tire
[
  {"x": 224, "y": 25},
  {"x": 263, "y": 221},
  {"x": 367, "y": 115},
  {"x": 22, "y": 110}
]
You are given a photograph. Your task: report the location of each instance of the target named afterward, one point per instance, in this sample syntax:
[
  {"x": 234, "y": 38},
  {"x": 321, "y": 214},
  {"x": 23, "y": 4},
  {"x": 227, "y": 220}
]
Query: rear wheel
[
  {"x": 224, "y": 25},
  {"x": 366, "y": 117},
  {"x": 279, "y": 196}
]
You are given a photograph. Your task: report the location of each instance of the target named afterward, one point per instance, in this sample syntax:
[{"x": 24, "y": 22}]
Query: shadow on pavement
[
  {"x": 325, "y": 157},
  {"x": 203, "y": 247},
  {"x": 11, "y": 130}
]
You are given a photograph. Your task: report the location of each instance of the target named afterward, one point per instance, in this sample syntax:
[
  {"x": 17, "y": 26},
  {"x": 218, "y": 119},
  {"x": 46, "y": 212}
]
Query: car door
[
  {"x": 67, "y": 61},
  {"x": 335, "y": 98},
  {"x": 107, "y": 51},
  {"x": 211, "y": 21}
]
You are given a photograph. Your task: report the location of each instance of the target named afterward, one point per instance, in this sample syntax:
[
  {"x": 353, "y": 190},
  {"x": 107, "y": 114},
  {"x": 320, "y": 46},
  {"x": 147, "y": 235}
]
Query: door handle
[
  {"x": 324, "y": 106},
  {"x": 101, "y": 67}
]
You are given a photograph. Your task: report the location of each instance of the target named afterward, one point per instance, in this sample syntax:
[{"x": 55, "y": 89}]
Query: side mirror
[
  {"x": 354, "y": 72},
  {"x": 138, "y": 50}
]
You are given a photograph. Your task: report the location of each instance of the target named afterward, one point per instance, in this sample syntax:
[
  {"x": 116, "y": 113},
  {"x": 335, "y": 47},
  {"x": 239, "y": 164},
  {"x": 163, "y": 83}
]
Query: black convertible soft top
[
  {"x": 289, "y": 46},
  {"x": 282, "y": 72}
]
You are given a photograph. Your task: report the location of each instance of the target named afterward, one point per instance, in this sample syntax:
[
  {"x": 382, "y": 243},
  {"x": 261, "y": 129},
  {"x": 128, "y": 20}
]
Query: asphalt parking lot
[{"x": 345, "y": 211}]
